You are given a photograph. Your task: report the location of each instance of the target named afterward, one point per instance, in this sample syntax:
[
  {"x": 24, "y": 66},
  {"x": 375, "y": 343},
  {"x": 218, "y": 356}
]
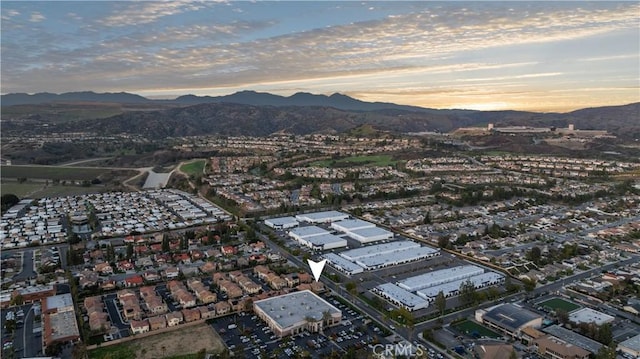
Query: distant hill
[{"x": 257, "y": 114}]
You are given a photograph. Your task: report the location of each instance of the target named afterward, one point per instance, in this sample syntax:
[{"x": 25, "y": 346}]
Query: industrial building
[
  {"x": 292, "y": 313},
  {"x": 438, "y": 277},
  {"x": 281, "y": 222},
  {"x": 317, "y": 238},
  {"x": 362, "y": 231},
  {"x": 452, "y": 289},
  {"x": 400, "y": 297},
  {"x": 348, "y": 225},
  {"x": 322, "y": 217},
  {"x": 388, "y": 254},
  {"x": 345, "y": 266},
  {"x": 508, "y": 318},
  {"x": 631, "y": 346}
]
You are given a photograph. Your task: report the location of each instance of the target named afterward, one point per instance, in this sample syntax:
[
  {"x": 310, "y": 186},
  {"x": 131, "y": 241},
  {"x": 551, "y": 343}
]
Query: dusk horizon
[{"x": 531, "y": 56}]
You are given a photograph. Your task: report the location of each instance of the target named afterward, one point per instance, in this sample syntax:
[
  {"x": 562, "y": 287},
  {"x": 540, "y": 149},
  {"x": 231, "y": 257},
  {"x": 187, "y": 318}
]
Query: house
[
  {"x": 181, "y": 258},
  {"x": 155, "y": 305},
  {"x": 88, "y": 279},
  {"x": 228, "y": 250},
  {"x": 156, "y": 248},
  {"x": 206, "y": 312},
  {"x": 190, "y": 315},
  {"x": 222, "y": 308},
  {"x": 162, "y": 258},
  {"x": 275, "y": 281},
  {"x": 126, "y": 293},
  {"x": 213, "y": 253},
  {"x": 208, "y": 267},
  {"x": 108, "y": 284},
  {"x": 171, "y": 272},
  {"x": 186, "y": 299},
  {"x": 139, "y": 326},
  {"x": 292, "y": 280},
  {"x": 232, "y": 289},
  {"x": 125, "y": 265},
  {"x": 305, "y": 278},
  {"x": 197, "y": 255},
  {"x": 144, "y": 262},
  {"x": 157, "y": 322},
  {"x": 242, "y": 262},
  {"x": 151, "y": 276},
  {"x": 103, "y": 268},
  {"x": 261, "y": 271},
  {"x": 99, "y": 321},
  {"x": 134, "y": 281},
  {"x": 131, "y": 309},
  {"x": 173, "y": 318}
]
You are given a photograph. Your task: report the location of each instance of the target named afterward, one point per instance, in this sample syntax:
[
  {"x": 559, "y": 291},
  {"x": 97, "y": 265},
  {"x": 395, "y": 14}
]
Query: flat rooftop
[
  {"x": 632, "y": 343},
  {"x": 64, "y": 325},
  {"x": 438, "y": 277},
  {"x": 325, "y": 239},
  {"x": 289, "y": 310},
  {"x": 282, "y": 220},
  {"x": 405, "y": 255},
  {"x": 573, "y": 338},
  {"x": 510, "y": 316},
  {"x": 342, "y": 263},
  {"x": 402, "y": 296},
  {"x": 449, "y": 287},
  {"x": 351, "y": 224},
  {"x": 588, "y": 315},
  {"x": 371, "y": 232},
  {"x": 308, "y": 231},
  {"x": 59, "y": 301},
  {"x": 378, "y": 249},
  {"x": 325, "y": 216}
]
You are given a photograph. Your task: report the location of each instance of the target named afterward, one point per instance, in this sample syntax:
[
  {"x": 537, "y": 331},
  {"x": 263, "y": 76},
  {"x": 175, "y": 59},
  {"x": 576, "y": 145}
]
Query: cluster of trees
[{"x": 8, "y": 200}]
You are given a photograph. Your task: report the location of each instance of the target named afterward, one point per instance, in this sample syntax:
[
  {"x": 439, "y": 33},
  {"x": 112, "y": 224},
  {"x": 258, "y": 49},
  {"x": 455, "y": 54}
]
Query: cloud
[
  {"x": 145, "y": 12},
  {"x": 36, "y": 17}
]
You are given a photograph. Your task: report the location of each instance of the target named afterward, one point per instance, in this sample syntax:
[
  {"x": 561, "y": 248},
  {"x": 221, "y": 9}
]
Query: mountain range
[{"x": 259, "y": 114}]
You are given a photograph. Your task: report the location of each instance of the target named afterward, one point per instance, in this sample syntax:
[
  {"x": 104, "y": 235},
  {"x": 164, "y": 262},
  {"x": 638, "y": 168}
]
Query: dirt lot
[{"x": 179, "y": 342}]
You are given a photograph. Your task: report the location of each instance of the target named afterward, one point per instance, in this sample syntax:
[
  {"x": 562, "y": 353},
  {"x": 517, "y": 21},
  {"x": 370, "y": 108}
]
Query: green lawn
[
  {"x": 374, "y": 160},
  {"x": 558, "y": 303},
  {"x": 20, "y": 189},
  {"x": 52, "y": 173},
  {"x": 469, "y": 328},
  {"x": 193, "y": 168}
]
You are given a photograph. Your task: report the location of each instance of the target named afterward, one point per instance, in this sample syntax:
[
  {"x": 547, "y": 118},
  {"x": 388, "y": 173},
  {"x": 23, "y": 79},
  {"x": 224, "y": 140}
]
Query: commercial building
[
  {"x": 439, "y": 277},
  {"x": 322, "y": 217},
  {"x": 317, "y": 238},
  {"x": 452, "y": 289},
  {"x": 388, "y": 254},
  {"x": 508, "y": 318},
  {"x": 368, "y": 235},
  {"x": 59, "y": 320},
  {"x": 349, "y": 225},
  {"x": 400, "y": 297},
  {"x": 345, "y": 266},
  {"x": 588, "y": 315},
  {"x": 292, "y": 313},
  {"x": 281, "y": 222},
  {"x": 631, "y": 346}
]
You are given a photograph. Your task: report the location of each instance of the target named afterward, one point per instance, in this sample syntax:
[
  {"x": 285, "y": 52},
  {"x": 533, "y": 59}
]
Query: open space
[
  {"x": 193, "y": 168},
  {"x": 558, "y": 303},
  {"x": 377, "y": 160},
  {"x": 58, "y": 173},
  {"x": 174, "y": 344},
  {"x": 40, "y": 190},
  {"x": 475, "y": 330}
]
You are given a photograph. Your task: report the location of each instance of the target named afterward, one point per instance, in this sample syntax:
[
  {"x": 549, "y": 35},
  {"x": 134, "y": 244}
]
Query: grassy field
[
  {"x": 374, "y": 160},
  {"x": 468, "y": 327},
  {"x": 52, "y": 173},
  {"x": 558, "y": 303},
  {"x": 20, "y": 189},
  {"x": 38, "y": 190},
  {"x": 193, "y": 168},
  {"x": 177, "y": 344}
]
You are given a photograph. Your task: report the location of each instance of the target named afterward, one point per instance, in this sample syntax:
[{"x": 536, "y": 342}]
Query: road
[
  {"x": 26, "y": 271},
  {"x": 115, "y": 315}
]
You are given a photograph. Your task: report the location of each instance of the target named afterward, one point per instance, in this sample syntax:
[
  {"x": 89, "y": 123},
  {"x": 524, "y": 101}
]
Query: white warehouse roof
[
  {"x": 438, "y": 277},
  {"x": 351, "y": 224},
  {"x": 322, "y": 217},
  {"x": 401, "y": 297},
  {"x": 308, "y": 231}
]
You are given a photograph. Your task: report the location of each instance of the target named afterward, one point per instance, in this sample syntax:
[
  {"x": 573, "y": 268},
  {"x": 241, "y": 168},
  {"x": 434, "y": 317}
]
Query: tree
[
  {"x": 529, "y": 284},
  {"x": 562, "y": 315},
  {"x": 441, "y": 302},
  {"x": 467, "y": 292},
  {"x": 606, "y": 352},
  {"x": 513, "y": 354},
  {"x": 534, "y": 255},
  {"x": 605, "y": 335},
  {"x": 18, "y": 300},
  {"x": 8, "y": 200},
  {"x": 165, "y": 244},
  {"x": 351, "y": 287},
  {"x": 129, "y": 251}
]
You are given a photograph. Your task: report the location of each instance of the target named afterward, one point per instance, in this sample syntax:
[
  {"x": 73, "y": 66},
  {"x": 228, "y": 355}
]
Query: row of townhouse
[
  {"x": 171, "y": 319},
  {"x": 152, "y": 301},
  {"x": 98, "y": 318},
  {"x": 203, "y": 294}
]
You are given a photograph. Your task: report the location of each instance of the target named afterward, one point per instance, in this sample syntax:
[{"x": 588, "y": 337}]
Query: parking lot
[{"x": 246, "y": 333}]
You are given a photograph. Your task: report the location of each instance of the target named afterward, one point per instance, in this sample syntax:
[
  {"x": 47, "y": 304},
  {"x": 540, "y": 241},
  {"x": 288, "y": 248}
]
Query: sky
[{"x": 523, "y": 55}]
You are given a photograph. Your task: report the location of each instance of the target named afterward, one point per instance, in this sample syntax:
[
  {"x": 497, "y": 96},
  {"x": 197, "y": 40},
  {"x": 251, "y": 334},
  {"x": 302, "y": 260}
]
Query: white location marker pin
[{"x": 316, "y": 268}]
